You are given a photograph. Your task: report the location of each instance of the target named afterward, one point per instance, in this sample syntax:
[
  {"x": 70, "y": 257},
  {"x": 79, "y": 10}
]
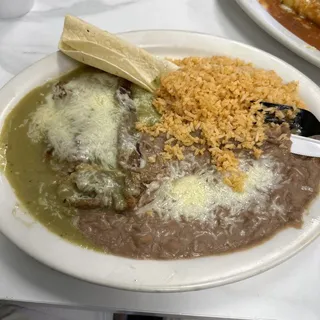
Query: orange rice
[{"x": 212, "y": 104}]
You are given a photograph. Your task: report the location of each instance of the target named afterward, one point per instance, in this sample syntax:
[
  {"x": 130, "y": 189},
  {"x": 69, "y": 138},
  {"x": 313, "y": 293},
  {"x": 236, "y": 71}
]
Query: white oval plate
[
  {"x": 155, "y": 276},
  {"x": 261, "y": 16}
]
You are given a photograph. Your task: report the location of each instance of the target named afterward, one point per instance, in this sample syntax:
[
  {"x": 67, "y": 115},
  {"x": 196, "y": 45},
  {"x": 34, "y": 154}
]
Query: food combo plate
[
  {"x": 265, "y": 20},
  {"x": 153, "y": 275}
]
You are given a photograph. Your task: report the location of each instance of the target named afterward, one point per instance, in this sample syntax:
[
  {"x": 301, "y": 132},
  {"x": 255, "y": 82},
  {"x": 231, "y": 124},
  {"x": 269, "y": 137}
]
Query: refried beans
[{"x": 152, "y": 237}]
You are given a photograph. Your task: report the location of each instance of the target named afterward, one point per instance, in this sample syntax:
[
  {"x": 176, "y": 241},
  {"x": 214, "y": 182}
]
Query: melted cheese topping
[
  {"x": 82, "y": 125},
  {"x": 190, "y": 191},
  {"x": 203, "y": 195}
]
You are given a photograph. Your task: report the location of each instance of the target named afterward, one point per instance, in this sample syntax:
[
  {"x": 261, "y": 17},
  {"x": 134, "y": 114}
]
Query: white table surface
[{"x": 290, "y": 291}]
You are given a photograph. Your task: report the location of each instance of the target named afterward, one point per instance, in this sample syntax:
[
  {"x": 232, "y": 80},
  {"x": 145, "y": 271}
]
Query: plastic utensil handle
[{"x": 305, "y": 146}]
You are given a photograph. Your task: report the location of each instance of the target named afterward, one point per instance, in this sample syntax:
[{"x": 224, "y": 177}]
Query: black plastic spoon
[{"x": 304, "y": 124}]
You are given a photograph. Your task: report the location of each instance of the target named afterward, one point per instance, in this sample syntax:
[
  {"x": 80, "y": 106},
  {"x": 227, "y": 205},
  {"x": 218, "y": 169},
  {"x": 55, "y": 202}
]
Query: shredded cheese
[
  {"x": 83, "y": 124},
  {"x": 202, "y": 195}
]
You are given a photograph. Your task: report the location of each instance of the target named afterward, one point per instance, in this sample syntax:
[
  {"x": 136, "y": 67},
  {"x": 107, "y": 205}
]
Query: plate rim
[
  {"x": 292, "y": 42},
  {"x": 166, "y": 288}
]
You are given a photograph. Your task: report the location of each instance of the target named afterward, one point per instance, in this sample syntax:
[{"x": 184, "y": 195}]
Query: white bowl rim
[{"x": 165, "y": 287}]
